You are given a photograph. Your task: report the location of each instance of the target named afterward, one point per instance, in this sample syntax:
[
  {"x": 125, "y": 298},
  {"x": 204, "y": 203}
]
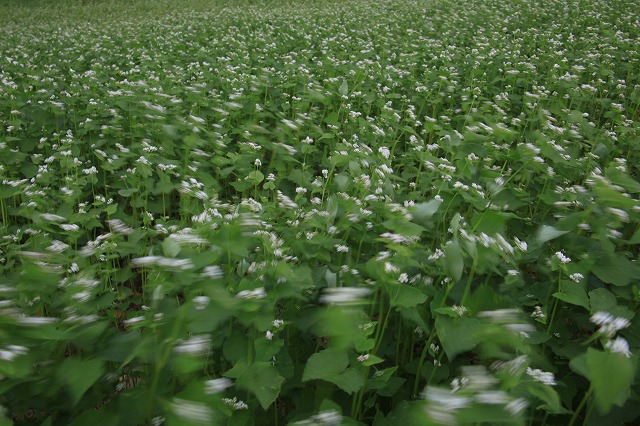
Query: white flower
[
  {"x": 620, "y": 214},
  {"x": 563, "y": 259},
  {"x": 194, "y": 412},
  {"x": 460, "y": 310},
  {"x": 619, "y": 345},
  {"x": 217, "y": 385},
  {"x": 609, "y": 324},
  {"x": 341, "y": 248},
  {"x": 537, "y": 312},
  {"x": 384, "y": 151},
  {"x": 390, "y": 268},
  {"x": 212, "y": 271},
  {"x": 201, "y": 302},
  {"x": 196, "y": 345},
  {"x": 258, "y": 293},
  {"x": 343, "y": 294},
  {"x": 577, "y": 277},
  {"x": 235, "y": 403},
  {"x": 52, "y": 217},
  {"x": 542, "y": 376}
]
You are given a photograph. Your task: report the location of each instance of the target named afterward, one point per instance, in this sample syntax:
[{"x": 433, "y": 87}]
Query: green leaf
[
  {"x": 621, "y": 178},
  {"x": 266, "y": 349},
  {"x": 457, "y": 335},
  {"x": 256, "y": 177},
  {"x": 547, "y": 395},
  {"x": 326, "y": 363},
  {"x": 573, "y": 293},
  {"x": 331, "y": 365},
  {"x": 546, "y": 233},
  {"x": 263, "y": 380},
  {"x": 617, "y": 270},
  {"x": 372, "y": 360},
  {"x": 612, "y": 198},
  {"x": 453, "y": 260},
  {"x": 79, "y": 376},
  {"x": 170, "y": 247},
  {"x": 112, "y": 208},
  {"x": 404, "y": 228},
  {"x": 405, "y": 296},
  {"x": 579, "y": 365},
  {"x": 349, "y": 381},
  {"x": 344, "y": 88},
  {"x": 602, "y": 300},
  {"x": 611, "y": 376},
  {"x": 491, "y": 222},
  {"x": 406, "y": 413},
  {"x": 342, "y": 180},
  {"x": 422, "y": 212}
]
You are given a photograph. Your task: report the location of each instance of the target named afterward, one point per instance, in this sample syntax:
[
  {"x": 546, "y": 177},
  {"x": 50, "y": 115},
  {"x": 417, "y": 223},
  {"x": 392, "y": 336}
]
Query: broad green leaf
[
  {"x": 548, "y": 395},
  {"x": 79, "y": 376},
  {"x": 405, "y": 296},
  {"x": 422, "y": 212},
  {"x": 484, "y": 414},
  {"x": 235, "y": 347},
  {"x": 112, "y": 208},
  {"x": 256, "y": 177},
  {"x": 453, "y": 260},
  {"x": 266, "y": 349},
  {"x": 263, "y": 380},
  {"x": 170, "y": 247},
  {"x": 611, "y": 376},
  {"x": 621, "y": 178},
  {"x": 406, "y": 413},
  {"x": 546, "y": 233},
  {"x": 579, "y": 365},
  {"x": 617, "y": 270},
  {"x": 342, "y": 180},
  {"x": 573, "y": 293},
  {"x": 344, "y": 88},
  {"x": 612, "y": 198},
  {"x": 372, "y": 360},
  {"x": 404, "y": 228},
  {"x": 602, "y": 300},
  {"x": 329, "y": 362},
  {"x": 349, "y": 380},
  {"x": 491, "y": 222},
  {"x": 331, "y": 365},
  {"x": 457, "y": 335}
]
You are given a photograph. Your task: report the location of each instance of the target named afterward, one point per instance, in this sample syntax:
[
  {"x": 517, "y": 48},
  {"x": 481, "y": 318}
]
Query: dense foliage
[{"x": 367, "y": 212}]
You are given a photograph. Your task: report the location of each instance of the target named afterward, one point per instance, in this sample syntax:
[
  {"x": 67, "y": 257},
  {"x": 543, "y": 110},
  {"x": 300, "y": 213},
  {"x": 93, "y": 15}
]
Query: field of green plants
[{"x": 372, "y": 212}]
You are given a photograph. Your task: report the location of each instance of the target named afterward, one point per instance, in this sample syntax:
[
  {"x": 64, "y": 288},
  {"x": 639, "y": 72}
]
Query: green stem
[
  {"x": 581, "y": 406},
  {"x": 423, "y": 355},
  {"x": 164, "y": 358},
  {"x": 467, "y": 288}
]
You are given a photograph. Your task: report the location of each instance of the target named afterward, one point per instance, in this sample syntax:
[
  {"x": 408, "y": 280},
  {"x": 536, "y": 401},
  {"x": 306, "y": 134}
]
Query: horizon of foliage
[{"x": 319, "y": 213}]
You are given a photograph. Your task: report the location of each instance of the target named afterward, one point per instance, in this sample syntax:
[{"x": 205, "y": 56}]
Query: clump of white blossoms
[
  {"x": 609, "y": 326},
  {"x": 541, "y": 376}
]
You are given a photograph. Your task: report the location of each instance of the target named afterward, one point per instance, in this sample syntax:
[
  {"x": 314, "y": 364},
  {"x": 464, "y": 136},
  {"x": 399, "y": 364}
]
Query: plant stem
[
  {"x": 581, "y": 406},
  {"x": 423, "y": 355}
]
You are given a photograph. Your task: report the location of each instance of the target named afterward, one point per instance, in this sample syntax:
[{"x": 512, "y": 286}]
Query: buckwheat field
[{"x": 393, "y": 212}]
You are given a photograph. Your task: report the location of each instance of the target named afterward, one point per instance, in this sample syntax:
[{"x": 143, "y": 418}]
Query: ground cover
[{"x": 365, "y": 212}]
